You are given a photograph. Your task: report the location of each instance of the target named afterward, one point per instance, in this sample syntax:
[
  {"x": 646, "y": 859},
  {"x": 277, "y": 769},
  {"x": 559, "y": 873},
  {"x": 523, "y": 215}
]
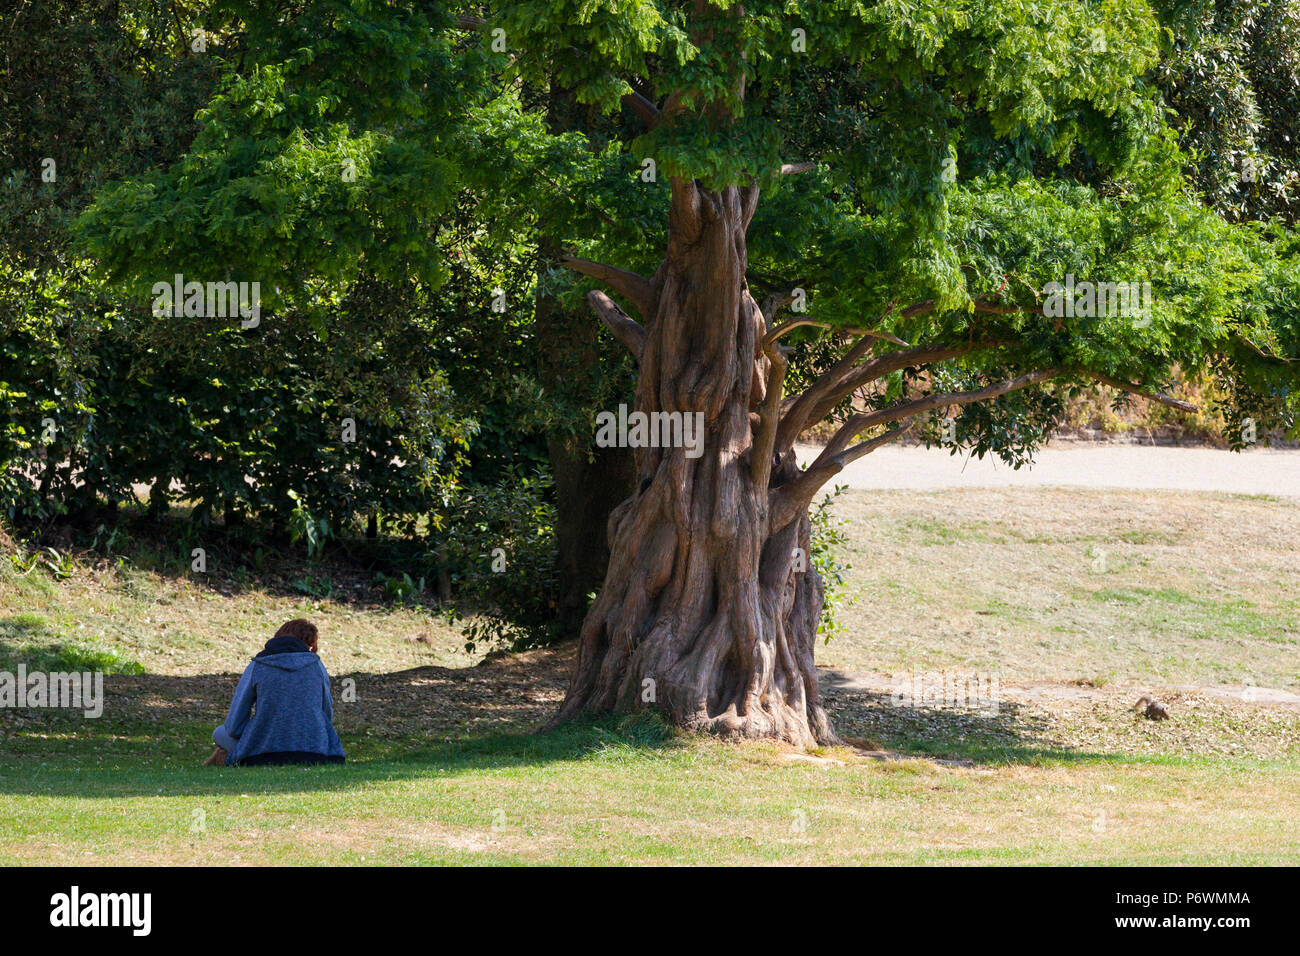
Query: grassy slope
[
  {"x": 1163, "y": 587},
  {"x": 443, "y": 769}
]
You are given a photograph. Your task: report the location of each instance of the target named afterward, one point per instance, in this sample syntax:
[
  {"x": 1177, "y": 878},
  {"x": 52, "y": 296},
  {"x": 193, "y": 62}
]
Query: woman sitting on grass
[{"x": 282, "y": 712}]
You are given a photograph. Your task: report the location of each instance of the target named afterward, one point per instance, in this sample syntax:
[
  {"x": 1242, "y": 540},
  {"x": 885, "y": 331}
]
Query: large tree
[
  {"x": 958, "y": 158},
  {"x": 791, "y": 212}
]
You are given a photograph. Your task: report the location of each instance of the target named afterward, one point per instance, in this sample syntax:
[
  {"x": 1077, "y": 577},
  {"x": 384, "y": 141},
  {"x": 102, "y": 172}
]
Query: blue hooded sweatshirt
[{"x": 282, "y": 712}]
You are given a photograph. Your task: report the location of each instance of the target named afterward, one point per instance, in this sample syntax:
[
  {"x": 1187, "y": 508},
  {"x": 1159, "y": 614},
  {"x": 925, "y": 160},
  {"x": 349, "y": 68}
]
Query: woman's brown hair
[{"x": 300, "y": 628}]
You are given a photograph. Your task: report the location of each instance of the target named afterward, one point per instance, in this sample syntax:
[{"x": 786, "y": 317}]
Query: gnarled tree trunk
[{"x": 709, "y": 608}]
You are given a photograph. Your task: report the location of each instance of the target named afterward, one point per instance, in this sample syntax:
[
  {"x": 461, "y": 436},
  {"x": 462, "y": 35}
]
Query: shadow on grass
[
  {"x": 154, "y": 733},
  {"x": 1011, "y": 735},
  {"x": 628, "y": 737}
]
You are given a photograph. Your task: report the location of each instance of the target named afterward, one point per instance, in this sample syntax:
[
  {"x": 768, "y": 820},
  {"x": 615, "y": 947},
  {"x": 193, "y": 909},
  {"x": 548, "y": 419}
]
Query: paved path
[{"x": 1258, "y": 471}]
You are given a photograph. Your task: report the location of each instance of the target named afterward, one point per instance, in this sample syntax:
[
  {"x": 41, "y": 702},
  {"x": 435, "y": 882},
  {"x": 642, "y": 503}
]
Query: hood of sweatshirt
[
  {"x": 288, "y": 662},
  {"x": 286, "y": 654}
]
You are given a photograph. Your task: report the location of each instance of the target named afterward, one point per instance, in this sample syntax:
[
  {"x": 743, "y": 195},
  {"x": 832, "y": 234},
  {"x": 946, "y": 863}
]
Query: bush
[
  {"x": 498, "y": 551},
  {"x": 828, "y": 544}
]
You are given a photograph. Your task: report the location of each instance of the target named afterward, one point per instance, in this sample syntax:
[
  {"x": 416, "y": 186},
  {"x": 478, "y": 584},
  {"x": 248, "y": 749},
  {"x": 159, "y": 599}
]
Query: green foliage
[
  {"x": 829, "y": 541},
  {"x": 498, "y": 548},
  {"x": 242, "y": 422},
  {"x": 403, "y": 590},
  {"x": 382, "y": 171},
  {"x": 313, "y": 532},
  {"x": 1231, "y": 72},
  {"x": 238, "y": 418},
  {"x": 60, "y": 566},
  {"x": 316, "y": 131},
  {"x": 322, "y": 588}
]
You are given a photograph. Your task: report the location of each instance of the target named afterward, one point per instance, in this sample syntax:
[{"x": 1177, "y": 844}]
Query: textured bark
[{"x": 706, "y": 613}]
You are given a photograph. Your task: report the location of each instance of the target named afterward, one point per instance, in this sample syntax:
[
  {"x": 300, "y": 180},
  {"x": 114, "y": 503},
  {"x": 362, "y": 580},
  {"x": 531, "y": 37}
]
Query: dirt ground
[{"x": 517, "y": 693}]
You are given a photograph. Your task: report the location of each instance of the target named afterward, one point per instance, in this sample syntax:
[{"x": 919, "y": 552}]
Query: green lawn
[
  {"x": 444, "y": 767},
  {"x": 599, "y": 795}
]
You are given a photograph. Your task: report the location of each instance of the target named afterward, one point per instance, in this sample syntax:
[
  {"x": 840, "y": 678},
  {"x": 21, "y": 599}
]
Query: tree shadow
[
  {"x": 122, "y": 779},
  {"x": 1008, "y": 734},
  {"x": 155, "y": 729},
  {"x": 154, "y": 732}
]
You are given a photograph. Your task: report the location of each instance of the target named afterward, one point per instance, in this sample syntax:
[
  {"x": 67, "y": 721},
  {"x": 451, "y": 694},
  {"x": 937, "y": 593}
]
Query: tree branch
[
  {"x": 985, "y": 307},
  {"x": 1160, "y": 397},
  {"x": 636, "y": 288},
  {"x": 793, "y": 324},
  {"x": 786, "y": 502},
  {"x": 836, "y": 373},
  {"x": 797, "y": 413},
  {"x": 860, "y": 422},
  {"x": 862, "y": 449},
  {"x": 625, "y": 329},
  {"x": 791, "y": 498},
  {"x": 769, "y": 416},
  {"x": 773, "y": 304},
  {"x": 846, "y": 376},
  {"x": 748, "y": 196},
  {"x": 1281, "y": 359},
  {"x": 642, "y": 107}
]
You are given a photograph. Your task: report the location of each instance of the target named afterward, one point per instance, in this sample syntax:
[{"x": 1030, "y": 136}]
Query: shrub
[
  {"x": 498, "y": 550},
  {"x": 828, "y": 544}
]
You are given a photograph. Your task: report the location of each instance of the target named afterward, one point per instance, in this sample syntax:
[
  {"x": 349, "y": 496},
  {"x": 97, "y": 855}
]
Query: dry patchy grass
[
  {"x": 1193, "y": 589},
  {"x": 1044, "y": 584}
]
